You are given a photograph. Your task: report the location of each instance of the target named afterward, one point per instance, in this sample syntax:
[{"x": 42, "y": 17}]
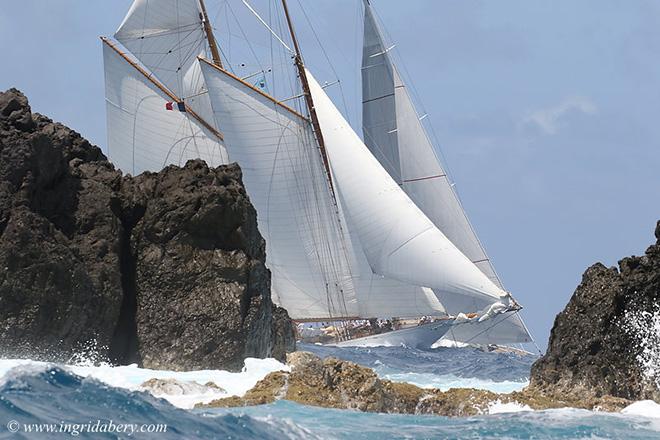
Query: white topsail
[
  {"x": 167, "y": 36},
  {"x": 395, "y": 135}
]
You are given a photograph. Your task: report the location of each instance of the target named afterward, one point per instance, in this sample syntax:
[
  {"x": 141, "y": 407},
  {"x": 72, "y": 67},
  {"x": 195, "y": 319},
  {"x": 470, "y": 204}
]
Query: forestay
[
  {"x": 142, "y": 134},
  {"x": 398, "y": 239}
]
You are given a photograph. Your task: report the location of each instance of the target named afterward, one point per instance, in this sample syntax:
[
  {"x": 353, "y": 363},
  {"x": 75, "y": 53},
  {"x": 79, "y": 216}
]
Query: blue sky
[{"x": 546, "y": 112}]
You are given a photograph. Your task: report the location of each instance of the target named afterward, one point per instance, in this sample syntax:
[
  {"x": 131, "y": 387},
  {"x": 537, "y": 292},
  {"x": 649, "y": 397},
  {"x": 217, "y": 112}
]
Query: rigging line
[
  {"x": 238, "y": 23},
  {"x": 489, "y": 328},
  {"x": 377, "y": 98},
  {"x": 266, "y": 24},
  {"x": 325, "y": 54},
  {"x": 437, "y": 176},
  {"x": 529, "y": 333}
]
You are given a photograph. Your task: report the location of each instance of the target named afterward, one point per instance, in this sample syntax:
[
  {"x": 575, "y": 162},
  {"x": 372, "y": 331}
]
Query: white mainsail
[
  {"x": 395, "y": 135},
  {"x": 316, "y": 271},
  {"x": 142, "y": 134}
]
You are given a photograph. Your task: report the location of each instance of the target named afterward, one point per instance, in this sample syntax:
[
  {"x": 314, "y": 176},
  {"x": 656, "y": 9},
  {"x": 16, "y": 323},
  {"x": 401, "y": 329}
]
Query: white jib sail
[
  {"x": 142, "y": 134},
  {"x": 398, "y": 239},
  {"x": 395, "y": 135}
]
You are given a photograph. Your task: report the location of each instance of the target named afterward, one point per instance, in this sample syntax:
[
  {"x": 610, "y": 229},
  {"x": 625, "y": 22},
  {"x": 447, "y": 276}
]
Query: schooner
[{"x": 354, "y": 230}]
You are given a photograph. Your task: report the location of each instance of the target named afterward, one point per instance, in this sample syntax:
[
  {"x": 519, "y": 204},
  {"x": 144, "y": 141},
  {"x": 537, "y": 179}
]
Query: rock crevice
[{"x": 165, "y": 269}]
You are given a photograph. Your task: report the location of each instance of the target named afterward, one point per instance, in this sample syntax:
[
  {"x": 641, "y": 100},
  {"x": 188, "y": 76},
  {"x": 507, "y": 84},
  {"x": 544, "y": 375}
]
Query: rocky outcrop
[
  {"x": 595, "y": 349},
  {"x": 164, "y": 269},
  {"x": 59, "y": 241},
  {"x": 173, "y": 387},
  {"x": 334, "y": 383}
]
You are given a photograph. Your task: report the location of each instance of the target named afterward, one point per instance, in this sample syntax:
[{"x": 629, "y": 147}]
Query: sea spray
[{"x": 644, "y": 327}]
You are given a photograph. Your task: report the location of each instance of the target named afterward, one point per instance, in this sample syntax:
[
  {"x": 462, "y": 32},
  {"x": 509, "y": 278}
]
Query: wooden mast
[
  {"x": 213, "y": 44},
  {"x": 308, "y": 97}
]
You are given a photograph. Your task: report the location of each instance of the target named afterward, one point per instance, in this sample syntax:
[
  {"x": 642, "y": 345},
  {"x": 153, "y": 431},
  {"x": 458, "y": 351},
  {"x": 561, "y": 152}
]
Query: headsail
[
  {"x": 395, "y": 134},
  {"x": 317, "y": 273},
  {"x": 398, "y": 239}
]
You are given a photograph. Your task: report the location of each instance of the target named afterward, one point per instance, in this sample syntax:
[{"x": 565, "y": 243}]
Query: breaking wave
[{"x": 36, "y": 392}]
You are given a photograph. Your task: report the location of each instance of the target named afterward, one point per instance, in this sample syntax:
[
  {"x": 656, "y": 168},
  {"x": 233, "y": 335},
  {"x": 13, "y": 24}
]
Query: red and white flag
[{"x": 171, "y": 106}]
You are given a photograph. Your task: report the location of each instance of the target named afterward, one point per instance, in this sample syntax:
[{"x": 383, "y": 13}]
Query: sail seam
[
  {"x": 437, "y": 176},
  {"x": 376, "y": 99}
]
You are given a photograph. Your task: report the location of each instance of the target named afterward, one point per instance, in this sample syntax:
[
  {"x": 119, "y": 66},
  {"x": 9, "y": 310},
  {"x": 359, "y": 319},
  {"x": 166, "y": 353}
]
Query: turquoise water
[
  {"x": 51, "y": 394},
  {"x": 554, "y": 424}
]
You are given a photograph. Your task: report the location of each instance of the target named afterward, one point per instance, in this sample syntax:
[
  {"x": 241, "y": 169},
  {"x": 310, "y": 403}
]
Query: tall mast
[
  {"x": 213, "y": 45},
  {"x": 308, "y": 96}
]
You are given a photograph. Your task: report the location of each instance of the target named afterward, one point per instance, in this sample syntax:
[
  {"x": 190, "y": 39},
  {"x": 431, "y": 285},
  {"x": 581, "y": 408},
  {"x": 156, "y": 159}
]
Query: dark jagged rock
[
  {"x": 166, "y": 269},
  {"x": 592, "y": 350},
  {"x": 203, "y": 291},
  {"x": 60, "y": 285}
]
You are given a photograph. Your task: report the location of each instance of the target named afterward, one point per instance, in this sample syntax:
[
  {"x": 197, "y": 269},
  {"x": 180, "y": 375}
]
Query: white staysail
[
  {"x": 317, "y": 272},
  {"x": 142, "y": 134},
  {"x": 394, "y": 133},
  {"x": 398, "y": 239},
  {"x": 284, "y": 177}
]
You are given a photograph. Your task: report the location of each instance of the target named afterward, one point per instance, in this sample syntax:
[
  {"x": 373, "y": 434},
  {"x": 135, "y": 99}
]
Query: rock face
[
  {"x": 334, "y": 383},
  {"x": 593, "y": 349},
  {"x": 164, "y": 269}
]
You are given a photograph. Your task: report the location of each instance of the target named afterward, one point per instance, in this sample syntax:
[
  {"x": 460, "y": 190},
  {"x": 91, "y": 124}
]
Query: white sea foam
[
  {"x": 131, "y": 377},
  {"x": 498, "y": 407},
  {"x": 644, "y": 327},
  {"x": 445, "y": 382},
  {"x": 645, "y": 408}
]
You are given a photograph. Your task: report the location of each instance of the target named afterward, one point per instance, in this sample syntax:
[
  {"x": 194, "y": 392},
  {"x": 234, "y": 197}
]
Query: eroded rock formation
[
  {"x": 593, "y": 349},
  {"x": 164, "y": 269}
]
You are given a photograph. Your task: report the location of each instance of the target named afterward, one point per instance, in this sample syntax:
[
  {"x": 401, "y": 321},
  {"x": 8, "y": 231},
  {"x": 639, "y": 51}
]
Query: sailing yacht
[{"x": 346, "y": 238}]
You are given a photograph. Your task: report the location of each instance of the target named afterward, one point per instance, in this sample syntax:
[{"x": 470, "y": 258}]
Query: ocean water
[{"x": 74, "y": 400}]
